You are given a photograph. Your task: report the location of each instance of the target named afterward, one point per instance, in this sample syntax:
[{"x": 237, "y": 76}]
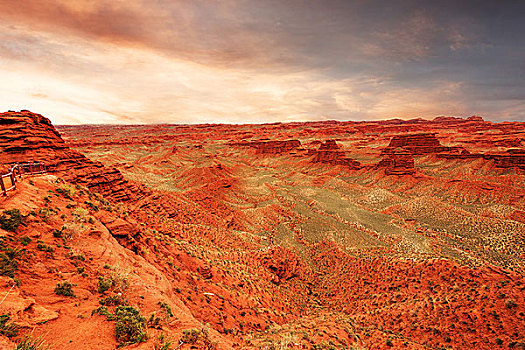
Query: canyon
[{"x": 404, "y": 234}]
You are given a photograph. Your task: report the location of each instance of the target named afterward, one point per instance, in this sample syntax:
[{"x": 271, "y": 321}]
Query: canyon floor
[{"x": 323, "y": 235}]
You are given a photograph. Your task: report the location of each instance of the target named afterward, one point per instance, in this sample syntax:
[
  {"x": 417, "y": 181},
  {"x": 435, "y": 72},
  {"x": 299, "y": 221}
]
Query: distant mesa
[
  {"x": 329, "y": 145},
  {"x": 329, "y": 152},
  {"x": 475, "y": 118},
  {"x": 416, "y": 144}
]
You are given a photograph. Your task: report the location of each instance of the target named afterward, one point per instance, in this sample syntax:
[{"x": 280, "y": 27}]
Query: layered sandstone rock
[
  {"x": 515, "y": 158},
  {"x": 399, "y": 162},
  {"x": 270, "y": 147},
  {"x": 27, "y": 136},
  {"x": 417, "y": 144},
  {"x": 329, "y": 152}
]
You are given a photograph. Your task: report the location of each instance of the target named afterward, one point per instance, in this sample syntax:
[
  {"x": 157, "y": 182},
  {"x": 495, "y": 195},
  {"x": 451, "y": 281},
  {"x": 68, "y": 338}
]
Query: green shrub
[
  {"x": 66, "y": 190},
  {"x": 25, "y": 240},
  {"x": 104, "y": 284},
  {"x": 9, "y": 261},
  {"x": 65, "y": 289},
  {"x": 192, "y": 336},
  {"x": 8, "y": 329},
  {"x": 102, "y": 310},
  {"x": 130, "y": 327},
  {"x": 166, "y": 308},
  {"x": 113, "y": 300},
  {"x": 116, "y": 281},
  {"x": 30, "y": 343},
  {"x": 10, "y": 220},
  {"x": 45, "y": 248}
]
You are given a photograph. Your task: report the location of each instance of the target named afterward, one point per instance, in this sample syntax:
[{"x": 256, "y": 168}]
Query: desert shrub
[
  {"x": 102, "y": 310},
  {"x": 163, "y": 343},
  {"x": 46, "y": 214},
  {"x": 8, "y": 329},
  {"x": 65, "y": 289},
  {"x": 113, "y": 300},
  {"x": 192, "y": 336},
  {"x": 9, "y": 261},
  {"x": 25, "y": 240},
  {"x": 509, "y": 304},
  {"x": 80, "y": 213},
  {"x": 104, "y": 284},
  {"x": 30, "y": 343},
  {"x": 130, "y": 327},
  {"x": 116, "y": 281},
  {"x": 11, "y": 219},
  {"x": 167, "y": 309},
  {"x": 59, "y": 233},
  {"x": 45, "y": 248},
  {"x": 66, "y": 190}
]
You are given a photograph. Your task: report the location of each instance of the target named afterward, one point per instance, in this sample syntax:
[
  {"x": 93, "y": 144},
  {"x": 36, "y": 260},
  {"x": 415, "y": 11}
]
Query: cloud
[{"x": 141, "y": 61}]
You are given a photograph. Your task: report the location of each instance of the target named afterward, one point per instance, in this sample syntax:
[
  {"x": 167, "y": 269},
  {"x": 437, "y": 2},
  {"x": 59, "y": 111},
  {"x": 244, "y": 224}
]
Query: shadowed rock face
[
  {"x": 399, "y": 162},
  {"x": 27, "y": 136}
]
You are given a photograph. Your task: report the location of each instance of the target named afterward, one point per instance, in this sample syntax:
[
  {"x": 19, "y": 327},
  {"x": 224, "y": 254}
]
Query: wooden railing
[{"x": 8, "y": 181}]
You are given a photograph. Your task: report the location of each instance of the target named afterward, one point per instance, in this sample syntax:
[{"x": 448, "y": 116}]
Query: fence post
[
  {"x": 12, "y": 176},
  {"x": 4, "y": 192}
]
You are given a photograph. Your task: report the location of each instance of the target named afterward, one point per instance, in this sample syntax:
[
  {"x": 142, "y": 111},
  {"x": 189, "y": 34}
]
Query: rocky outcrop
[
  {"x": 329, "y": 152},
  {"x": 270, "y": 147},
  {"x": 27, "y": 136},
  {"x": 417, "y": 144},
  {"x": 515, "y": 158},
  {"x": 399, "y": 162},
  {"x": 329, "y": 145}
]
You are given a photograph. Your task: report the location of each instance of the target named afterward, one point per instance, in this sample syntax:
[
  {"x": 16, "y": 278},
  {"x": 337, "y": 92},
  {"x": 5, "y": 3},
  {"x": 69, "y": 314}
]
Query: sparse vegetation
[
  {"x": 9, "y": 261},
  {"x": 65, "y": 289},
  {"x": 113, "y": 300},
  {"x": 66, "y": 190},
  {"x": 130, "y": 326},
  {"x": 30, "y": 343},
  {"x": 116, "y": 281},
  {"x": 9, "y": 329},
  {"x": 201, "y": 336},
  {"x": 11, "y": 219}
]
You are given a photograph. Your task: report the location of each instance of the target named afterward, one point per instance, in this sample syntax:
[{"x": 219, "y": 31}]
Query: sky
[{"x": 255, "y": 61}]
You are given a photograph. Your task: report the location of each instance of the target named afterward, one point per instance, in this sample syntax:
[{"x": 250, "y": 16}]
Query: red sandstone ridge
[
  {"x": 270, "y": 147},
  {"x": 398, "y": 162},
  {"x": 329, "y": 152},
  {"x": 515, "y": 158},
  {"x": 27, "y": 136},
  {"x": 416, "y": 144}
]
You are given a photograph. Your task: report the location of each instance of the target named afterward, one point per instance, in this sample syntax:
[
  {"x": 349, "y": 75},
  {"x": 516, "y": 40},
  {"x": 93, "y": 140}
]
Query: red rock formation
[
  {"x": 399, "y": 162},
  {"x": 329, "y": 145},
  {"x": 515, "y": 158},
  {"x": 27, "y": 136},
  {"x": 475, "y": 118},
  {"x": 329, "y": 152},
  {"x": 270, "y": 147},
  {"x": 416, "y": 144}
]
